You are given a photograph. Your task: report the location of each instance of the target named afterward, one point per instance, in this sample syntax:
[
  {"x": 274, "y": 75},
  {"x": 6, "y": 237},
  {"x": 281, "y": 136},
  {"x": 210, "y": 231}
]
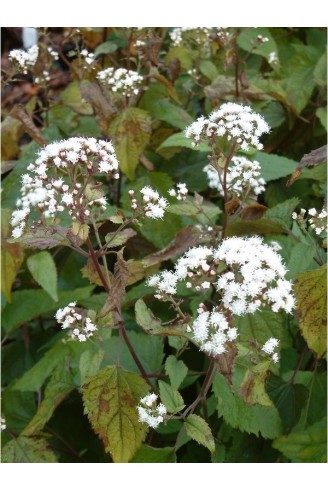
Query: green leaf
[
  {"x": 261, "y": 326},
  {"x": 72, "y": 98},
  {"x": 208, "y": 69},
  {"x": 33, "y": 379},
  {"x": 179, "y": 140},
  {"x": 171, "y": 114},
  {"x": 110, "y": 399},
  {"x": 105, "y": 48},
  {"x": 321, "y": 113},
  {"x": 43, "y": 269},
  {"x": 27, "y": 450},
  {"x": 248, "y": 41},
  {"x": 311, "y": 308},
  {"x": 282, "y": 212},
  {"x": 89, "y": 363},
  {"x": 200, "y": 431},
  {"x": 152, "y": 325},
  {"x": 170, "y": 397},
  {"x": 130, "y": 131},
  {"x": 255, "y": 419},
  {"x": 115, "y": 239},
  {"x": 252, "y": 388},
  {"x": 31, "y": 303},
  {"x": 58, "y": 387},
  {"x": 301, "y": 259},
  {"x": 274, "y": 166},
  {"x": 148, "y": 454},
  {"x": 260, "y": 226},
  {"x": 176, "y": 370},
  {"x": 320, "y": 71},
  {"x": 18, "y": 408},
  {"x": 288, "y": 398},
  {"x": 306, "y": 446}
]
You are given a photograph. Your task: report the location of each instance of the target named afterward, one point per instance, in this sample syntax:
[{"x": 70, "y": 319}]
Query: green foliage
[
  {"x": 306, "y": 446},
  {"x": 60, "y": 394},
  {"x": 28, "y": 450},
  {"x": 43, "y": 269},
  {"x": 110, "y": 398},
  {"x": 198, "y": 429}
]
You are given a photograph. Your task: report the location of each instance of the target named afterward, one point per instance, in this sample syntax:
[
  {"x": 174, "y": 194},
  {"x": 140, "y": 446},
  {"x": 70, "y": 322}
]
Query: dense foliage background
[{"x": 282, "y": 416}]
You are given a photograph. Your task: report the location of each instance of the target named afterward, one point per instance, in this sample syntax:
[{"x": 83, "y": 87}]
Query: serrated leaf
[
  {"x": 252, "y": 388},
  {"x": 148, "y": 454},
  {"x": 33, "y": 379},
  {"x": 311, "y": 308},
  {"x": 248, "y": 40},
  {"x": 283, "y": 211},
  {"x": 27, "y": 450},
  {"x": 110, "y": 399},
  {"x": 199, "y": 431},
  {"x": 152, "y": 325},
  {"x": 46, "y": 237},
  {"x": 43, "y": 269},
  {"x": 89, "y": 363},
  {"x": 80, "y": 230},
  {"x": 130, "y": 132},
  {"x": 58, "y": 387},
  {"x": 274, "y": 166},
  {"x": 306, "y": 446},
  {"x": 170, "y": 397},
  {"x": 12, "y": 256},
  {"x": 255, "y": 419},
  {"x": 115, "y": 239},
  {"x": 28, "y": 304},
  {"x": 176, "y": 370},
  {"x": 261, "y": 326}
]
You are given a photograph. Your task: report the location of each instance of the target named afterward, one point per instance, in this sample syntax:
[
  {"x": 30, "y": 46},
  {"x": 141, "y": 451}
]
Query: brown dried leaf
[
  {"x": 19, "y": 112},
  {"x": 90, "y": 272},
  {"x": 252, "y": 212},
  {"x": 120, "y": 280},
  {"x": 312, "y": 159},
  {"x": 185, "y": 238},
  {"x": 98, "y": 98},
  {"x": 47, "y": 237}
]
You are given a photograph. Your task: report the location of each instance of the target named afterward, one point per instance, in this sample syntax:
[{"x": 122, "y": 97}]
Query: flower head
[
  {"x": 150, "y": 412},
  {"x": 81, "y": 327},
  {"x": 121, "y": 81}
]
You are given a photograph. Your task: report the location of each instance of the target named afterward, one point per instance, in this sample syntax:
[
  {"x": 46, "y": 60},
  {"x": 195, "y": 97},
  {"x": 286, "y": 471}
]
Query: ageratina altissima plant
[
  {"x": 60, "y": 178},
  {"x": 121, "y": 81}
]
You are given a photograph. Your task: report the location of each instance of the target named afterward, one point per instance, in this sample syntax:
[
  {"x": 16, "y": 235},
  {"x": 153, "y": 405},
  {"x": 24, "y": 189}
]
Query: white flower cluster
[
  {"x": 237, "y": 123},
  {"x": 121, "y": 81},
  {"x": 2, "y": 423},
  {"x": 254, "y": 275},
  {"x": 273, "y": 58},
  {"x": 241, "y": 175},
  {"x": 262, "y": 39},
  {"x": 149, "y": 412},
  {"x": 52, "y": 195},
  {"x": 269, "y": 348},
  {"x": 81, "y": 327},
  {"x": 211, "y": 331},
  {"x": 88, "y": 57},
  {"x": 153, "y": 205},
  {"x": 24, "y": 60},
  {"x": 194, "y": 265},
  {"x": 200, "y": 34},
  {"x": 53, "y": 53},
  {"x": 181, "y": 192},
  {"x": 318, "y": 221}
]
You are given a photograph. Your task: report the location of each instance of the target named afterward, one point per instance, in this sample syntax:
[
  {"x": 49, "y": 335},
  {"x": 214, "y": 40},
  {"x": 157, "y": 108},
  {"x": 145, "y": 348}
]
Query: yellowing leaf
[
  {"x": 90, "y": 272},
  {"x": 81, "y": 231},
  {"x": 115, "y": 239},
  {"x": 27, "y": 450},
  {"x": 130, "y": 131},
  {"x": 252, "y": 388},
  {"x": 12, "y": 256},
  {"x": 311, "y": 308},
  {"x": 199, "y": 430},
  {"x": 110, "y": 399}
]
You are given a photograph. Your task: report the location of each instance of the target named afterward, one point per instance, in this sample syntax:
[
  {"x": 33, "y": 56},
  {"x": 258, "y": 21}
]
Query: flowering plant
[{"x": 163, "y": 285}]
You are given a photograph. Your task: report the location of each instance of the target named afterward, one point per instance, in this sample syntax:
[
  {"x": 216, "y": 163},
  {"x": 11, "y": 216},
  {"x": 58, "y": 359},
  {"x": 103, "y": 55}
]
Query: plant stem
[
  {"x": 225, "y": 190},
  {"x": 96, "y": 264},
  {"x": 211, "y": 371}
]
